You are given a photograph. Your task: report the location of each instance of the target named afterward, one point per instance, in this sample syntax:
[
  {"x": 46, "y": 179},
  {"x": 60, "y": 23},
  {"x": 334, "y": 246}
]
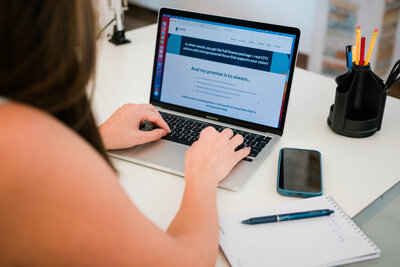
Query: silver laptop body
[{"x": 169, "y": 156}]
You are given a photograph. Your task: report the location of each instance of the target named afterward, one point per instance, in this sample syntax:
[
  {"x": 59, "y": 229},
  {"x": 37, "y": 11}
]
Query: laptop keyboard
[{"x": 186, "y": 131}]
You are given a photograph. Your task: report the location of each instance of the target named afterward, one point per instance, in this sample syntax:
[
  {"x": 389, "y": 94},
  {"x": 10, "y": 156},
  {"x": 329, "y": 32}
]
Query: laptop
[{"x": 220, "y": 72}]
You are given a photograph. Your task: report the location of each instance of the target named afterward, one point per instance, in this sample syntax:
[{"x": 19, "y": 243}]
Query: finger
[
  {"x": 207, "y": 131},
  {"x": 242, "y": 153},
  {"x": 227, "y": 132},
  {"x": 152, "y": 135},
  {"x": 153, "y": 109},
  {"x": 237, "y": 140},
  {"x": 149, "y": 107},
  {"x": 155, "y": 117}
]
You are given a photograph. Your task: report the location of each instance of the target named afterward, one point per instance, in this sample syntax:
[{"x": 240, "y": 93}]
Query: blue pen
[
  {"x": 349, "y": 57},
  {"x": 288, "y": 216},
  {"x": 350, "y": 63}
]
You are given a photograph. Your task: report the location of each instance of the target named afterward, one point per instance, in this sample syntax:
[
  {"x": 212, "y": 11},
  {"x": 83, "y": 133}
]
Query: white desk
[{"x": 355, "y": 171}]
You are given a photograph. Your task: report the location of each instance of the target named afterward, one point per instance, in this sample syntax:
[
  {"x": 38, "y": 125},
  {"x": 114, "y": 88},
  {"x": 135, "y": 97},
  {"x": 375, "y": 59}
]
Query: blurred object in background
[
  {"x": 104, "y": 15},
  {"x": 339, "y": 19},
  {"x": 336, "y": 30},
  {"x": 389, "y": 44},
  {"x": 138, "y": 16},
  {"x": 118, "y": 7}
]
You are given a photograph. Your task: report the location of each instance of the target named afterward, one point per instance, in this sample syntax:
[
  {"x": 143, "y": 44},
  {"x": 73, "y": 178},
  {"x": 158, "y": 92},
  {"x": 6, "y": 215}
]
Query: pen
[
  {"x": 288, "y": 216},
  {"x": 371, "y": 46},
  {"x": 362, "y": 51},
  {"x": 358, "y": 35},
  {"x": 348, "y": 57},
  {"x": 350, "y": 61}
]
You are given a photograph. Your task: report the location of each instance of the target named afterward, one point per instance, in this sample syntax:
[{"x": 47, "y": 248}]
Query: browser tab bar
[{"x": 259, "y": 40}]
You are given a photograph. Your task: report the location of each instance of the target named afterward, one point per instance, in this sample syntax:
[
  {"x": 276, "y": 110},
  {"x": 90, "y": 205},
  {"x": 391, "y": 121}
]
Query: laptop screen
[{"x": 223, "y": 69}]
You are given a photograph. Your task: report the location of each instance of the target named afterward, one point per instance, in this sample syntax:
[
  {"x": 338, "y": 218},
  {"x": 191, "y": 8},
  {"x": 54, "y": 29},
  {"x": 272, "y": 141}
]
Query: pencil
[
  {"x": 371, "y": 46},
  {"x": 358, "y": 36},
  {"x": 353, "y": 54}
]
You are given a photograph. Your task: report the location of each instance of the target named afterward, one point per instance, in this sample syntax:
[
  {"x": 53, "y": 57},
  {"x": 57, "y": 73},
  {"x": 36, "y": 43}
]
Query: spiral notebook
[{"x": 324, "y": 241}]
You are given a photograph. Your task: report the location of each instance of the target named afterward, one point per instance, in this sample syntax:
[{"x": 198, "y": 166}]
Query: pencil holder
[{"x": 359, "y": 103}]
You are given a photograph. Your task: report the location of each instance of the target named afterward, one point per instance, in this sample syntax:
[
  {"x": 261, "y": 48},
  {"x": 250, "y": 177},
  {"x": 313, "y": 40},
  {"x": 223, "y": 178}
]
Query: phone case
[{"x": 292, "y": 193}]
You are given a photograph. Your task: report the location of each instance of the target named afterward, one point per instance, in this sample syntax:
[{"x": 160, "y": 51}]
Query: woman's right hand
[{"x": 213, "y": 156}]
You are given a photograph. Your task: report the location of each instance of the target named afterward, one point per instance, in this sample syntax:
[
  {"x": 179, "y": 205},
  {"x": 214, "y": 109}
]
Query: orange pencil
[
  {"x": 371, "y": 46},
  {"x": 358, "y": 36}
]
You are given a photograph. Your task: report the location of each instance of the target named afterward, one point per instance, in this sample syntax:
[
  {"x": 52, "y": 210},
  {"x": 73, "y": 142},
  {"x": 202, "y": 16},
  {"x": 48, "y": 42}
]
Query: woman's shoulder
[
  {"x": 24, "y": 127},
  {"x": 32, "y": 141},
  {"x": 17, "y": 120}
]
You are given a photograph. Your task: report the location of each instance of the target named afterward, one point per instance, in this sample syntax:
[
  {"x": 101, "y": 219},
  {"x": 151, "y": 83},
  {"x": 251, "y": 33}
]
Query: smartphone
[{"x": 299, "y": 173}]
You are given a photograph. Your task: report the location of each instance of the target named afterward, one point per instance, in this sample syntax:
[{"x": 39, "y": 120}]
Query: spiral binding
[{"x": 337, "y": 208}]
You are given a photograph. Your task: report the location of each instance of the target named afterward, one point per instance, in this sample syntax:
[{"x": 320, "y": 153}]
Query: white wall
[{"x": 295, "y": 13}]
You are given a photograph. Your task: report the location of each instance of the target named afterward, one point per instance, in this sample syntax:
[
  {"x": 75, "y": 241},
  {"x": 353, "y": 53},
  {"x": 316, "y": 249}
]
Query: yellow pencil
[
  {"x": 353, "y": 54},
  {"x": 358, "y": 37},
  {"x": 371, "y": 46}
]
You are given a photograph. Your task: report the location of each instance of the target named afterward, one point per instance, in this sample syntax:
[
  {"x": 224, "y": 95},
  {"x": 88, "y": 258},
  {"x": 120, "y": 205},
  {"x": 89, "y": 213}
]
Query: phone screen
[{"x": 300, "y": 170}]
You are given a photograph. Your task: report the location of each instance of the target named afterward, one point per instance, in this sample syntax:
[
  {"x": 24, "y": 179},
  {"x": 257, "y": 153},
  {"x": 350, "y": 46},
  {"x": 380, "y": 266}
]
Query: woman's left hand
[{"x": 121, "y": 130}]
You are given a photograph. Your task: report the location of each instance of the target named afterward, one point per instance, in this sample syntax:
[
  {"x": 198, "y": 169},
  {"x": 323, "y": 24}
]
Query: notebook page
[{"x": 322, "y": 241}]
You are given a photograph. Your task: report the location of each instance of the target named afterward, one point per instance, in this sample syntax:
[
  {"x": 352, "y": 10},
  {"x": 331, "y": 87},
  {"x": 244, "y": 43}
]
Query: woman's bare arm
[{"x": 61, "y": 204}]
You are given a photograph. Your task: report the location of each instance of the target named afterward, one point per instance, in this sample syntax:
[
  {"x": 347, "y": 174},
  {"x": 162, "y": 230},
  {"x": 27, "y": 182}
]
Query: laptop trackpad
[{"x": 160, "y": 154}]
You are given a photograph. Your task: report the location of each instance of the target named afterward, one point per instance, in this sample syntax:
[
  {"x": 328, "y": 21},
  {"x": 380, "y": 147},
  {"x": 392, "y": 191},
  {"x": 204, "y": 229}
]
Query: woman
[{"x": 60, "y": 201}]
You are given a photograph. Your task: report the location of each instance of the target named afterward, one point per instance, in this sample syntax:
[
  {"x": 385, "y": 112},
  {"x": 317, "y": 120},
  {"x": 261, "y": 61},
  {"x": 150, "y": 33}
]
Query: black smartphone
[{"x": 299, "y": 173}]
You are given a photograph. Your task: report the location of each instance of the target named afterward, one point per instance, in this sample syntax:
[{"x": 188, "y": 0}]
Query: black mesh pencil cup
[{"x": 359, "y": 103}]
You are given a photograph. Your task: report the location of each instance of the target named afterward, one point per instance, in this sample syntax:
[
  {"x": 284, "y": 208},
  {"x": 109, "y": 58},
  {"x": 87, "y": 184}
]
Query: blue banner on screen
[{"x": 226, "y": 53}]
